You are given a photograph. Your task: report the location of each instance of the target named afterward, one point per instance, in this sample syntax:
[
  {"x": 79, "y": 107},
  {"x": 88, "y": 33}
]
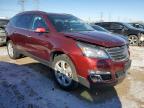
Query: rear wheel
[
  {"x": 13, "y": 54},
  {"x": 133, "y": 40},
  {"x": 64, "y": 72}
]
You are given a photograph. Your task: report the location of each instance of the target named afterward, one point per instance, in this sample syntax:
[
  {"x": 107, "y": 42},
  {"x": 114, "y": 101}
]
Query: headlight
[{"x": 92, "y": 51}]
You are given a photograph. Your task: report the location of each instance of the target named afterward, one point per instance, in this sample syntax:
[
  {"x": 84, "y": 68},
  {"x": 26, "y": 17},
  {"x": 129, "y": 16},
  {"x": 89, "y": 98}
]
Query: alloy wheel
[
  {"x": 63, "y": 73},
  {"x": 133, "y": 40},
  {"x": 10, "y": 49}
]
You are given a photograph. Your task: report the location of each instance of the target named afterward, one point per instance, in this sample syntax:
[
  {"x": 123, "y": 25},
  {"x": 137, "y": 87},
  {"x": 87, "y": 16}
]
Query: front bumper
[
  {"x": 110, "y": 78},
  {"x": 93, "y": 71},
  {"x": 105, "y": 75}
]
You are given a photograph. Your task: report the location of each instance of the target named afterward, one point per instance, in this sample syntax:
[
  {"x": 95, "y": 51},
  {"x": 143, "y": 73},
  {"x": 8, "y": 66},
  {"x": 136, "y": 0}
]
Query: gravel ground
[{"x": 25, "y": 83}]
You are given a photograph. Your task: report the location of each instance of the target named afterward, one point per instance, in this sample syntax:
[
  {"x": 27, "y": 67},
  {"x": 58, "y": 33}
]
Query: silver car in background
[{"x": 3, "y": 23}]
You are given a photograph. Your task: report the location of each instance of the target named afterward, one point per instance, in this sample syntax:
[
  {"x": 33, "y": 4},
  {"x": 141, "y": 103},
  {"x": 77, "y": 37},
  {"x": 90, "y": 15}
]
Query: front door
[
  {"x": 117, "y": 28},
  {"x": 39, "y": 42}
]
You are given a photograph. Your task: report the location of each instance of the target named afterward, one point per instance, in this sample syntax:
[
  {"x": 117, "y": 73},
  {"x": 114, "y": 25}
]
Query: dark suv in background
[
  {"x": 101, "y": 29},
  {"x": 135, "y": 36},
  {"x": 3, "y": 23}
]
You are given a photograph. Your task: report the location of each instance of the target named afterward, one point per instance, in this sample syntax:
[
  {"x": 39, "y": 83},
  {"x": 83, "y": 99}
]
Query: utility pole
[
  {"x": 109, "y": 17},
  {"x": 22, "y": 4},
  {"x": 36, "y": 2},
  {"x": 89, "y": 20},
  {"x": 118, "y": 19},
  {"x": 101, "y": 16}
]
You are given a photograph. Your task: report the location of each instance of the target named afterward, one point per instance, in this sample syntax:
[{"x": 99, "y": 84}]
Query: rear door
[
  {"x": 106, "y": 25},
  {"x": 117, "y": 28},
  {"x": 21, "y": 31}
]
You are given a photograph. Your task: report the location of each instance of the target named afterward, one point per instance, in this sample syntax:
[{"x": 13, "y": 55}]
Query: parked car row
[
  {"x": 75, "y": 52},
  {"x": 134, "y": 35},
  {"x": 101, "y": 29},
  {"x": 132, "y": 32},
  {"x": 3, "y": 23}
]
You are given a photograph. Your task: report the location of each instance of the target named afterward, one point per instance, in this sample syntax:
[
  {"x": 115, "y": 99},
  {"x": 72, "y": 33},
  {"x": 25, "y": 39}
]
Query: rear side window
[
  {"x": 116, "y": 26},
  {"x": 39, "y": 22},
  {"x": 24, "y": 21},
  {"x": 106, "y": 25}
]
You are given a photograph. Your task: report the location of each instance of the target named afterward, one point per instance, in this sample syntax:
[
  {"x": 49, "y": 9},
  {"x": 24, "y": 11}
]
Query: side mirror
[{"x": 41, "y": 30}]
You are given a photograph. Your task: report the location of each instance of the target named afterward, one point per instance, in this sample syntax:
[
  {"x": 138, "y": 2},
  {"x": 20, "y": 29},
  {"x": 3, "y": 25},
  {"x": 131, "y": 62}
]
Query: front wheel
[
  {"x": 13, "y": 54},
  {"x": 65, "y": 72}
]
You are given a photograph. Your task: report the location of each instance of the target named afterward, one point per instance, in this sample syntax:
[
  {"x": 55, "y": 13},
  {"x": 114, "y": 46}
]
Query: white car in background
[{"x": 3, "y": 23}]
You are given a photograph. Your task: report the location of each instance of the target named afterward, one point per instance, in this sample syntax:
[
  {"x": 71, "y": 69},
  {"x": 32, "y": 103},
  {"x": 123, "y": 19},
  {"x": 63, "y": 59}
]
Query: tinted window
[
  {"x": 116, "y": 26},
  {"x": 39, "y": 22},
  {"x": 24, "y": 21},
  {"x": 68, "y": 23},
  {"x": 105, "y": 25}
]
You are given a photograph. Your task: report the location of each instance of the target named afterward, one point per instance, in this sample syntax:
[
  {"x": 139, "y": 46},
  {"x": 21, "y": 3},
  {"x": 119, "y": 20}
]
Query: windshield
[{"x": 69, "y": 23}]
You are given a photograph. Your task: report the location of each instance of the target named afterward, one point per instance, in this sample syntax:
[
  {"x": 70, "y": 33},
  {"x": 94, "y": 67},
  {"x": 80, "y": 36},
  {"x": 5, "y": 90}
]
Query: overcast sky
[{"x": 108, "y": 10}]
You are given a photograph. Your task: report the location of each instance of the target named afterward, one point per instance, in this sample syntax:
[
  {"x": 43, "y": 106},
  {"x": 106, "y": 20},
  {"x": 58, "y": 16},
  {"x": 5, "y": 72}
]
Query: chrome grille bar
[{"x": 118, "y": 53}]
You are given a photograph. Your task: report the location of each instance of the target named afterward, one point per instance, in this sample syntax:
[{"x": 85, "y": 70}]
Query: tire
[
  {"x": 65, "y": 72},
  {"x": 141, "y": 43},
  {"x": 13, "y": 54},
  {"x": 133, "y": 40}
]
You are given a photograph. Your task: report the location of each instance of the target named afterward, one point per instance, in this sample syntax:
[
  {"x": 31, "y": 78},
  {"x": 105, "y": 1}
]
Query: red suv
[{"x": 73, "y": 49}]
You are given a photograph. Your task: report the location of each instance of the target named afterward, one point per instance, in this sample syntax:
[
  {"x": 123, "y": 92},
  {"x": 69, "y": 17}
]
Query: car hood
[
  {"x": 97, "y": 38},
  {"x": 122, "y": 36}
]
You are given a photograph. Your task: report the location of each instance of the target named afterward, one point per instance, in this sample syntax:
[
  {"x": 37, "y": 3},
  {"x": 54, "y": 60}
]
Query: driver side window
[{"x": 39, "y": 22}]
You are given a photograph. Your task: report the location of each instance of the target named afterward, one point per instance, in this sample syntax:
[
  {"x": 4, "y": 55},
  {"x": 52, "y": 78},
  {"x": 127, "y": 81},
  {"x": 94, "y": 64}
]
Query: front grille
[{"x": 118, "y": 53}]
